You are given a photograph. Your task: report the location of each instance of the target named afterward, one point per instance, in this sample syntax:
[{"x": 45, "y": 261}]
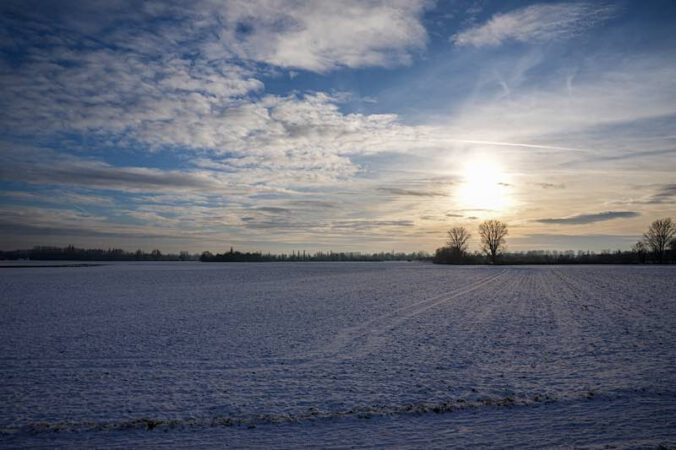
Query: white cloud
[
  {"x": 302, "y": 34},
  {"x": 189, "y": 80},
  {"x": 321, "y": 36},
  {"x": 536, "y": 23}
]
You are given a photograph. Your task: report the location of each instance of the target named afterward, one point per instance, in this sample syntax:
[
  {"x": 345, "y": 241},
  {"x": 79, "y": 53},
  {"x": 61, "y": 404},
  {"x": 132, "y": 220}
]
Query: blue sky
[{"x": 371, "y": 125}]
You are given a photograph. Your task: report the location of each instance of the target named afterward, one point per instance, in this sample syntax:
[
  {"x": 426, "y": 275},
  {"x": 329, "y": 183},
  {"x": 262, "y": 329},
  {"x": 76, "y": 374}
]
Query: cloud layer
[
  {"x": 582, "y": 219},
  {"x": 536, "y": 23},
  {"x": 271, "y": 124}
]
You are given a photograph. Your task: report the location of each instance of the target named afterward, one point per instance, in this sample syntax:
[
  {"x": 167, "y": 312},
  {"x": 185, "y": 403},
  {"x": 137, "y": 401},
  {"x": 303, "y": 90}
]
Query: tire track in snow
[
  {"x": 481, "y": 330},
  {"x": 362, "y": 339}
]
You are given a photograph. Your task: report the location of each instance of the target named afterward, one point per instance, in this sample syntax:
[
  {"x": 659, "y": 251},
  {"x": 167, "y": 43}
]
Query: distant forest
[
  {"x": 71, "y": 253},
  {"x": 236, "y": 256},
  {"x": 444, "y": 255}
]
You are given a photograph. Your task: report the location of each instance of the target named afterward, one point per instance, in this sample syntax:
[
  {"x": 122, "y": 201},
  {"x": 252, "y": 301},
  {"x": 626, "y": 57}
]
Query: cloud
[
  {"x": 614, "y": 93},
  {"x": 169, "y": 77},
  {"x": 303, "y": 34},
  {"x": 278, "y": 224},
  {"x": 273, "y": 209},
  {"x": 45, "y": 222},
  {"x": 584, "y": 242},
  {"x": 62, "y": 197},
  {"x": 48, "y": 168},
  {"x": 204, "y": 92},
  {"x": 551, "y": 185},
  {"x": 312, "y": 204},
  {"x": 193, "y": 83},
  {"x": 412, "y": 193},
  {"x": 637, "y": 155},
  {"x": 666, "y": 194},
  {"x": 581, "y": 219},
  {"x": 322, "y": 36},
  {"x": 535, "y": 23},
  {"x": 371, "y": 224}
]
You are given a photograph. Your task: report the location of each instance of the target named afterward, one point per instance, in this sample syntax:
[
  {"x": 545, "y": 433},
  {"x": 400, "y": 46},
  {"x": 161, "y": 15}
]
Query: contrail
[{"x": 516, "y": 144}]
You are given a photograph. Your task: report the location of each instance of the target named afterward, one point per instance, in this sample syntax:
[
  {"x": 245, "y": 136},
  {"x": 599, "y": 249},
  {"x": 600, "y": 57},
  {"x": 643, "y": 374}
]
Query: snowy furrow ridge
[{"x": 313, "y": 414}]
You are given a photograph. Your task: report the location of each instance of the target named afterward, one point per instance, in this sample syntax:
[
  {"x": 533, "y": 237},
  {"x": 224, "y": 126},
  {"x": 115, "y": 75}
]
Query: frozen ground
[{"x": 337, "y": 354}]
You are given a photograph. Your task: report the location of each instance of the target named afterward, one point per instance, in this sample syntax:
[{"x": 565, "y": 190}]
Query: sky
[{"x": 347, "y": 126}]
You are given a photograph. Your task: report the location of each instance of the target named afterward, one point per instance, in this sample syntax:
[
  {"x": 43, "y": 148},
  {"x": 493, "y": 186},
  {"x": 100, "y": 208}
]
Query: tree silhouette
[
  {"x": 492, "y": 233},
  {"x": 458, "y": 238},
  {"x": 659, "y": 236},
  {"x": 641, "y": 250}
]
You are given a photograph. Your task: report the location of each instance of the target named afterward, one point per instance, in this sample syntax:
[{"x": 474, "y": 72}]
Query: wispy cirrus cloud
[
  {"x": 412, "y": 192},
  {"x": 371, "y": 224},
  {"x": 536, "y": 23},
  {"x": 613, "y": 93},
  {"x": 63, "y": 197},
  {"x": 547, "y": 241},
  {"x": 582, "y": 219},
  {"x": 666, "y": 194},
  {"x": 42, "y": 166},
  {"x": 60, "y": 222},
  {"x": 551, "y": 185}
]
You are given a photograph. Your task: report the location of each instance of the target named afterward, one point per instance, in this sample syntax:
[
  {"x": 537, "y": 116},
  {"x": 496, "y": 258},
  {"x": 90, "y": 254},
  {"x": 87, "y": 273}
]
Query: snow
[{"x": 337, "y": 354}]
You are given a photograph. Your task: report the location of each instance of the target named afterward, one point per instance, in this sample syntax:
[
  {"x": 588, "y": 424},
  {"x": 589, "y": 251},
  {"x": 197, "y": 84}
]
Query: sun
[{"x": 485, "y": 187}]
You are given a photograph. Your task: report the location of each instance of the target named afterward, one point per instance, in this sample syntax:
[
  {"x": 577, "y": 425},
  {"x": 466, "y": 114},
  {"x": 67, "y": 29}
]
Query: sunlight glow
[{"x": 485, "y": 187}]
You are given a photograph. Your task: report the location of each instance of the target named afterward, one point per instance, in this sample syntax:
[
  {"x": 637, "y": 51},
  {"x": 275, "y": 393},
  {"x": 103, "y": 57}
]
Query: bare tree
[
  {"x": 659, "y": 235},
  {"x": 640, "y": 249},
  {"x": 493, "y": 234},
  {"x": 458, "y": 238}
]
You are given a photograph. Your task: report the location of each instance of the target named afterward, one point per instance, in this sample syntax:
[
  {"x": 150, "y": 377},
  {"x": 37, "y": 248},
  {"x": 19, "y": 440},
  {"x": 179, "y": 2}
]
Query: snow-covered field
[{"x": 337, "y": 354}]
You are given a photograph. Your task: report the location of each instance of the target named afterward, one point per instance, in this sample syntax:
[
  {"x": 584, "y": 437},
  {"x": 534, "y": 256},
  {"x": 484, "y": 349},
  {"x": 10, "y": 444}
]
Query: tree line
[
  {"x": 237, "y": 256},
  {"x": 658, "y": 245},
  {"x": 72, "y": 253}
]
